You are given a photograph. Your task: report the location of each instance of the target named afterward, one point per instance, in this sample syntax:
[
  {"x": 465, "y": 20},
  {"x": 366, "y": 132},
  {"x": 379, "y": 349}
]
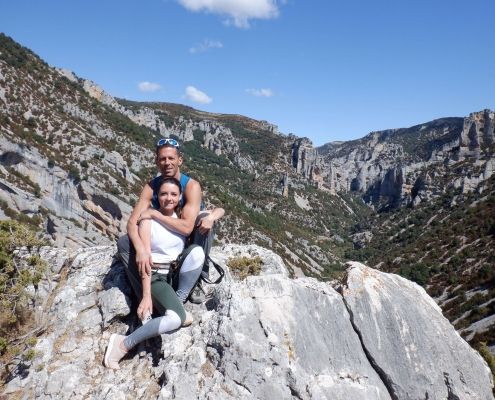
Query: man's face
[{"x": 168, "y": 161}]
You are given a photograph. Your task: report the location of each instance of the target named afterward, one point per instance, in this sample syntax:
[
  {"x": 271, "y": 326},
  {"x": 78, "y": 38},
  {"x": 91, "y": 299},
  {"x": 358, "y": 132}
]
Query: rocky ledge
[{"x": 371, "y": 336}]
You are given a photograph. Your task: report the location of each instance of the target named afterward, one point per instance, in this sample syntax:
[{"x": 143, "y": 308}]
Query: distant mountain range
[{"x": 418, "y": 201}]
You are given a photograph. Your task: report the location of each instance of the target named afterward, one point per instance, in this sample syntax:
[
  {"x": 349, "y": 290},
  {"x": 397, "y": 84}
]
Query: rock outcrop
[
  {"x": 75, "y": 210},
  {"x": 389, "y": 167},
  {"x": 213, "y": 135},
  {"x": 269, "y": 336},
  {"x": 415, "y": 350}
]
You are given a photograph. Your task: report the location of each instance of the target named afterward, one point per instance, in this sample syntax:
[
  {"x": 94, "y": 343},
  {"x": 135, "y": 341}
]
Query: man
[{"x": 133, "y": 253}]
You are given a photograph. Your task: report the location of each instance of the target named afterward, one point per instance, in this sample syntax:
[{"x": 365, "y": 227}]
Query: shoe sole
[
  {"x": 187, "y": 322},
  {"x": 111, "y": 343}
]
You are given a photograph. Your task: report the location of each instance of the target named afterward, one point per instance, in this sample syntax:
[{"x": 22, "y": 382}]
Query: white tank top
[{"x": 165, "y": 244}]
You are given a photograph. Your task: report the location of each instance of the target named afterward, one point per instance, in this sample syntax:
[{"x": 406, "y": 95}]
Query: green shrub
[
  {"x": 37, "y": 190},
  {"x": 3, "y": 345},
  {"x": 25, "y": 181},
  {"x": 242, "y": 267},
  {"x": 21, "y": 217},
  {"x": 31, "y": 122},
  {"x": 74, "y": 173},
  {"x": 29, "y": 355},
  {"x": 199, "y": 135},
  {"x": 488, "y": 356},
  {"x": 40, "y": 367},
  {"x": 15, "y": 277}
]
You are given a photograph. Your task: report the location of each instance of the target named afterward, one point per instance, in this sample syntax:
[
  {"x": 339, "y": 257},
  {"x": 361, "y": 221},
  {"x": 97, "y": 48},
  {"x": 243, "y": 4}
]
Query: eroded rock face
[
  {"x": 416, "y": 350},
  {"x": 268, "y": 336},
  {"x": 477, "y": 132},
  {"x": 282, "y": 338},
  {"x": 386, "y": 168},
  {"x": 79, "y": 213}
]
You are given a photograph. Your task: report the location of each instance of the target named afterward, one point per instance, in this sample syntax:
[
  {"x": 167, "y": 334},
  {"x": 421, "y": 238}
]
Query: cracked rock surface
[
  {"x": 415, "y": 349},
  {"x": 267, "y": 337}
]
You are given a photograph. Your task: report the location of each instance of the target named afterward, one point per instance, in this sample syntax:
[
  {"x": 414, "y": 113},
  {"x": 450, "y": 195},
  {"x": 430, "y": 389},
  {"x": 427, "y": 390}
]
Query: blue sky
[{"x": 328, "y": 70}]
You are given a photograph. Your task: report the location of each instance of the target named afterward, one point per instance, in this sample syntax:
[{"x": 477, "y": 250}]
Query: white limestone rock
[
  {"x": 386, "y": 172},
  {"x": 414, "y": 347},
  {"x": 68, "y": 74},
  {"x": 361, "y": 239},
  {"x": 265, "y": 337},
  {"x": 278, "y": 338},
  {"x": 272, "y": 263},
  {"x": 113, "y": 303}
]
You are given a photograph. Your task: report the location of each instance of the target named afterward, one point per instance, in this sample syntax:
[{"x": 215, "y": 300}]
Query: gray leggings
[
  {"x": 157, "y": 326},
  {"x": 189, "y": 272}
]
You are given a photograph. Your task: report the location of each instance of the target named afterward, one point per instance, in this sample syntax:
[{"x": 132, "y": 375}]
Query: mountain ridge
[{"x": 73, "y": 160}]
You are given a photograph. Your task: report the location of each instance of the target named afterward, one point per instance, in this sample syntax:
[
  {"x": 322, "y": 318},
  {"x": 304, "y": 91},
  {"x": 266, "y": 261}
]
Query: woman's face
[{"x": 168, "y": 196}]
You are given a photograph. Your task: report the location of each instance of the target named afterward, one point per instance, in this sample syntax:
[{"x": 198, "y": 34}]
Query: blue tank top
[{"x": 155, "y": 185}]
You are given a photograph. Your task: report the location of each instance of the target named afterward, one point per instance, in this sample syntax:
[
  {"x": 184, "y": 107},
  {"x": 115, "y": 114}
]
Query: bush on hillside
[
  {"x": 15, "y": 278},
  {"x": 242, "y": 267},
  {"x": 488, "y": 356}
]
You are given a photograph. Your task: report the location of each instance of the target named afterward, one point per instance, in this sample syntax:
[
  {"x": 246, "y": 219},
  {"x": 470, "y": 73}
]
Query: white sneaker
[
  {"x": 113, "y": 353},
  {"x": 146, "y": 318},
  {"x": 188, "y": 320}
]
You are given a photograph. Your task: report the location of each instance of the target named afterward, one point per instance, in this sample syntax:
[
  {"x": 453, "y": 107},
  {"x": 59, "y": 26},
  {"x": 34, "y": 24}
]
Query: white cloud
[
  {"x": 197, "y": 96},
  {"x": 206, "y": 45},
  {"x": 260, "y": 92},
  {"x": 238, "y": 12},
  {"x": 148, "y": 86}
]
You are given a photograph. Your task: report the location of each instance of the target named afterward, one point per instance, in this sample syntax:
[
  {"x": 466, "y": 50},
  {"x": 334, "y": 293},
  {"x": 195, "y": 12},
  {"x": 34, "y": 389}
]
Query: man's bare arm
[
  {"x": 185, "y": 224},
  {"x": 143, "y": 259}
]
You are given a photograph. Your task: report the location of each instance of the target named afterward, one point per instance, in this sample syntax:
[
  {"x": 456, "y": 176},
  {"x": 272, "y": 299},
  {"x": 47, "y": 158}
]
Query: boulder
[
  {"x": 414, "y": 348},
  {"x": 378, "y": 337}
]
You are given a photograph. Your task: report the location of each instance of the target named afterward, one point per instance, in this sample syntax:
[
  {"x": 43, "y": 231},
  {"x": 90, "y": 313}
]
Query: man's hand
[
  {"x": 144, "y": 262},
  {"x": 205, "y": 224},
  {"x": 145, "y": 306},
  {"x": 208, "y": 218}
]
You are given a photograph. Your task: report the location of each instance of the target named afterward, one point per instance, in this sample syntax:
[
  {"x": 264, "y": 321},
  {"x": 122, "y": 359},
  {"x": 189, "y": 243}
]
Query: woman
[{"x": 164, "y": 247}]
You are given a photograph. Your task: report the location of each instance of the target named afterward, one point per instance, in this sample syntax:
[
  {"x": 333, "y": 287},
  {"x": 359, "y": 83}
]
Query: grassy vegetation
[
  {"x": 261, "y": 146},
  {"x": 15, "y": 277},
  {"x": 489, "y": 358},
  {"x": 122, "y": 124},
  {"x": 417, "y": 140},
  {"x": 33, "y": 222},
  {"x": 24, "y": 182},
  {"x": 20, "y": 57},
  {"x": 242, "y": 267}
]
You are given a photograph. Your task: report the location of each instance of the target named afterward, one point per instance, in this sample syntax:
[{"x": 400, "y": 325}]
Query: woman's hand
[
  {"x": 147, "y": 214},
  {"x": 144, "y": 262},
  {"x": 145, "y": 306}
]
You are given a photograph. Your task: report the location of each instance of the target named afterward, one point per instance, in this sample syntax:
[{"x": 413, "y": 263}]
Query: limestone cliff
[
  {"x": 378, "y": 336},
  {"x": 403, "y": 166}
]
